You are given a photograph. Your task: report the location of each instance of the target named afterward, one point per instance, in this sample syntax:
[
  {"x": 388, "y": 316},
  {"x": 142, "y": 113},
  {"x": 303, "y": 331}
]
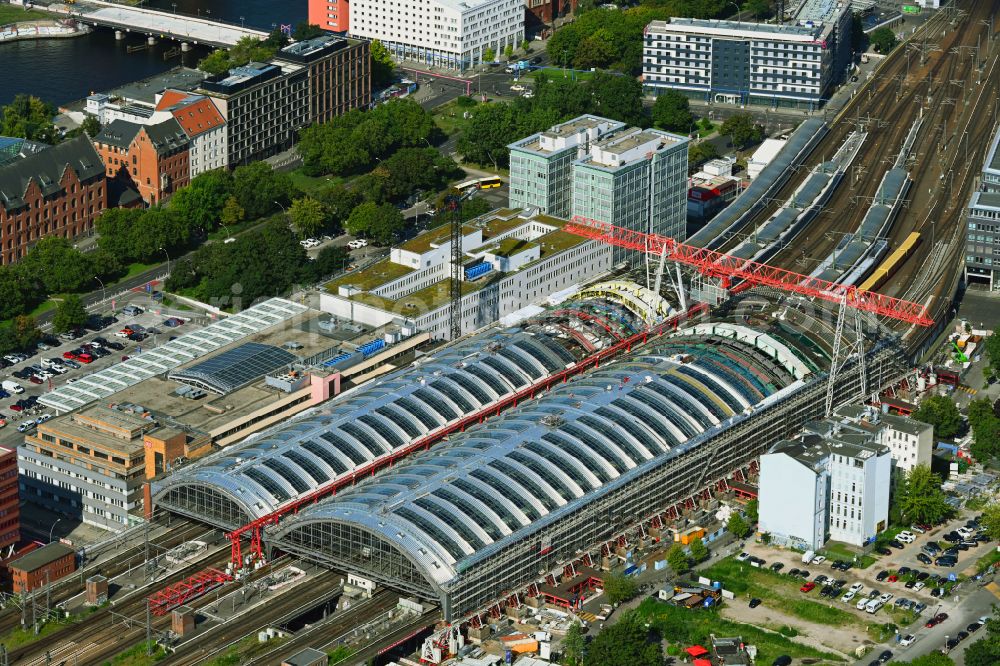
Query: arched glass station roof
[
  {"x": 456, "y": 504},
  {"x": 288, "y": 462}
]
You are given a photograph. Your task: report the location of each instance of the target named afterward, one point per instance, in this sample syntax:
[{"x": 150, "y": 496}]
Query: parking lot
[{"x": 150, "y": 321}]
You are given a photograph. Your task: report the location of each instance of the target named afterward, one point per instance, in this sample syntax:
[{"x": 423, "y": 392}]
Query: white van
[
  {"x": 873, "y": 606},
  {"x": 11, "y": 387}
]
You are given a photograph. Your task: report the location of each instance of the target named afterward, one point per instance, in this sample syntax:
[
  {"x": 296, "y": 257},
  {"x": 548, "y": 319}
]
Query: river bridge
[{"x": 156, "y": 24}]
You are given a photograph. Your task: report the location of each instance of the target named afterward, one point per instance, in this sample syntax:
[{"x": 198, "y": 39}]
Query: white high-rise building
[
  {"x": 442, "y": 33},
  {"x": 794, "y": 486}
]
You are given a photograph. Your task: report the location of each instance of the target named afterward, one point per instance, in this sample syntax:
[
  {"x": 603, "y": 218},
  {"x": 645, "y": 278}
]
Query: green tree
[
  {"x": 59, "y": 265},
  {"x": 70, "y": 314},
  {"x": 259, "y": 189},
  {"x": 752, "y": 511},
  {"x": 526, "y": 47},
  {"x": 90, "y": 126},
  {"x": 698, "y": 549},
  {"x": 232, "y": 212},
  {"x": 215, "y": 63},
  {"x": 489, "y": 55},
  {"x": 738, "y": 526},
  {"x": 618, "y": 97},
  {"x": 985, "y": 426},
  {"x": 331, "y": 259},
  {"x": 26, "y": 333},
  {"x": 619, "y": 589},
  {"x": 627, "y": 641},
  {"x": 308, "y": 216},
  {"x": 339, "y": 201},
  {"x": 677, "y": 558},
  {"x": 984, "y": 652},
  {"x": 573, "y": 645},
  {"x": 597, "y": 50},
  {"x": 940, "y": 411},
  {"x": 758, "y": 8},
  {"x": 306, "y": 30},
  {"x": 991, "y": 520},
  {"x": 920, "y": 498},
  {"x": 883, "y": 40},
  {"x": 381, "y": 223},
  {"x": 28, "y": 117},
  {"x": 742, "y": 130},
  {"x": 508, "y": 52},
  {"x": 701, "y": 152},
  {"x": 672, "y": 112},
  {"x": 382, "y": 65},
  {"x": 201, "y": 203}
]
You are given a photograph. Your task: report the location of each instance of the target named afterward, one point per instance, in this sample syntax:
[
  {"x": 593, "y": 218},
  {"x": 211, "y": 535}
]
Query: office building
[
  {"x": 794, "y": 487},
  {"x": 541, "y": 165},
  {"x": 440, "y": 33},
  {"x": 339, "y": 74},
  {"x": 982, "y": 235},
  {"x": 636, "y": 179},
  {"x": 735, "y": 62},
  {"x": 154, "y": 160},
  {"x": 57, "y": 191},
  {"x": 511, "y": 258},
  {"x": 204, "y": 126},
  {"x": 264, "y": 105},
  {"x": 10, "y": 512}
]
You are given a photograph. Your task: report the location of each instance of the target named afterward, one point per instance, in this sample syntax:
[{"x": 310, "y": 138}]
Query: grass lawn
[
  {"x": 559, "y": 72},
  {"x": 12, "y": 14},
  {"x": 782, "y": 589},
  {"x": 702, "y": 133},
  {"x": 311, "y": 184},
  {"x": 448, "y": 117},
  {"x": 136, "y": 656},
  {"x": 988, "y": 560},
  {"x": 45, "y": 306},
  {"x": 839, "y": 551},
  {"x": 683, "y": 627}
]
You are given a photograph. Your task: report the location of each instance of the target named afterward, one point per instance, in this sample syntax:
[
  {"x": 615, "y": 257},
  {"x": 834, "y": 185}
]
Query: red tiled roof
[
  {"x": 170, "y": 98},
  {"x": 198, "y": 117}
]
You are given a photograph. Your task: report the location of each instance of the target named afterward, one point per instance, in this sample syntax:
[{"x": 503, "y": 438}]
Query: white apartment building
[
  {"x": 910, "y": 441},
  {"x": 441, "y": 33},
  {"x": 510, "y": 260},
  {"x": 746, "y": 63},
  {"x": 832, "y": 481},
  {"x": 794, "y": 487}
]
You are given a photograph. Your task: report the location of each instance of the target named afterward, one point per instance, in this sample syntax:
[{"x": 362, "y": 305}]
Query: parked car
[
  {"x": 808, "y": 587},
  {"x": 893, "y": 578},
  {"x": 882, "y": 550},
  {"x": 754, "y": 602},
  {"x": 173, "y": 322},
  {"x": 132, "y": 311},
  {"x": 357, "y": 244},
  {"x": 777, "y": 566},
  {"x": 85, "y": 358},
  {"x": 882, "y": 575},
  {"x": 936, "y": 620},
  {"x": 923, "y": 558},
  {"x": 907, "y": 640}
]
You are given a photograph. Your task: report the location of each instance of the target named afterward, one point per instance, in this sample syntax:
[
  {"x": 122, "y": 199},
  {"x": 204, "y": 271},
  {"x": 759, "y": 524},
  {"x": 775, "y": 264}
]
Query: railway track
[
  {"x": 106, "y": 631},
  {"x": 71, "y": 586},
  {"x": 284, "y": 609}
]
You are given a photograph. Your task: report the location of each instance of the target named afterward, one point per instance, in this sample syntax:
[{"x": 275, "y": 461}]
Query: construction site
[{"x": 479, "y": 493}]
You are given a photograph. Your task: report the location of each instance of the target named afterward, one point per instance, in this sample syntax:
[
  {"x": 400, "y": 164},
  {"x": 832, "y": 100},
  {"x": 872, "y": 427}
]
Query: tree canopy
[
  {"x": 678, "y": 558},
  {"x": 991, "y": 520},
  {"x": 28, "y": 117},
  {"x": 742, "y": 130},
  {"x": 247, "y": 49},
  {"x": 308, "y": 216},
  {"x": 985, "y": 426},
  {"x": 573, "y": 645},
  {"x": 672, "y": 112},
  {"x": 738, "y": 526},
  {"x": 883, "y": 39},
  {"x": 940, "y": 411},
  {"x": 627, "y": 641},
  {"x": 919, "y": 497},
  {"x": 698, "y": 549},
  {"x": 306, "y": 30},
  {"x": 381, "y": 223},
  {"x": 619, "y": 588},
  {"x": 382, "y": 65},
  {"x": 70, "y": 314},
  {"x": 352, "y": 143}
]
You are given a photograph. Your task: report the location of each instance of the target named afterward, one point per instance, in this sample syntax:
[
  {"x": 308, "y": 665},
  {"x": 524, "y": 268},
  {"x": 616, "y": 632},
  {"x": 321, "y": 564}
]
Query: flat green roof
[
  {"x": 508, "y": 247},
  {"x": 429, "y": 298},
  {"x": 374, "y": 276},
  {"x": 558, "y": 241},
  {"x": 437, "y": 236}
]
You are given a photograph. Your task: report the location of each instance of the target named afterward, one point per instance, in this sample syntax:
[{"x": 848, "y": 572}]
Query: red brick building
[
  {"x": 539, "y": 13},
  {"x": 10, "y": 523},
  {"x": 152, "y": 159},
  {"x": 56, "y": 192},
  {"x": 40, "y": 567}
]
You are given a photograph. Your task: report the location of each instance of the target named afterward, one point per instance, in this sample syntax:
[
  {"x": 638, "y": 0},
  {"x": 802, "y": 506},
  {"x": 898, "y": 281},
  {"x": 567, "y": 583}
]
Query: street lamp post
[
  {"x": 104, "y": 295},
  {"x": 51, "y": 529},
  {"x": 283, "y": 210},
  {"x": 168, "y": 258}
]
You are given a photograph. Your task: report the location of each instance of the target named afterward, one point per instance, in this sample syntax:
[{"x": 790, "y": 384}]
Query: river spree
[{"x": 63, "y": 70}]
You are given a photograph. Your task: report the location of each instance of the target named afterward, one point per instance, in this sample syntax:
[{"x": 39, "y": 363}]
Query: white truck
[
  {"x": 11, "y": 387},
  {"x": 808, "y": 556}
]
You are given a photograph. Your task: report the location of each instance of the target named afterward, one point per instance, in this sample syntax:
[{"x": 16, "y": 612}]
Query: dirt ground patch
[{"x": 819, "y": 636}]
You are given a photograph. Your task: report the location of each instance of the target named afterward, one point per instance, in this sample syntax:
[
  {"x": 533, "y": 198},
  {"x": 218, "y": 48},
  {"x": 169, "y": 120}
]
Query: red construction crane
[{"x": 730, "y": 269}]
